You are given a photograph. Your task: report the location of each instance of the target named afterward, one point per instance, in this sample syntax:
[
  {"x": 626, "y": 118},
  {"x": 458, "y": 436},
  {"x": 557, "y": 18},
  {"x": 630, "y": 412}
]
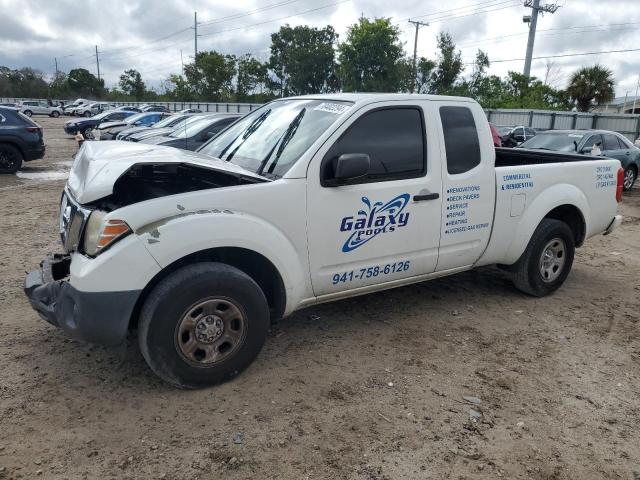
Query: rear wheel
[
  {"x": 547, "y": 261},
  {"x": 10, "y": 159},
  {"x": 87, "y": 114},
  {"x": 203, "y": 325},
  {"x": 55, "y": 114},
  {"x": 630, "y": 175}
]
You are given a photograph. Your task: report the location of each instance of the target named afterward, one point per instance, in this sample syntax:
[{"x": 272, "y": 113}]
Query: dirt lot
[{"x": 368, "y": 388}]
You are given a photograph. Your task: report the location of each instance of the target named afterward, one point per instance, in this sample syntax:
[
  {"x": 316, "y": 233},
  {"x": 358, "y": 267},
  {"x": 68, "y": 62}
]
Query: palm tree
[{"x": 589, "y": 84}]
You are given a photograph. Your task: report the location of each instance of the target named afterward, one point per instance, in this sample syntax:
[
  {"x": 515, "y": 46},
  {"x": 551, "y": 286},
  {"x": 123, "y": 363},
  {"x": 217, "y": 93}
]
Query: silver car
[
  {"x": 89, "y": 110},
  {"x": 29, "y": 108}
]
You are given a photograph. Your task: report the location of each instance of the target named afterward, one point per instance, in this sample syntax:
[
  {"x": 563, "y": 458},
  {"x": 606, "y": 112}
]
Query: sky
[{"x": 152, "y": 35}]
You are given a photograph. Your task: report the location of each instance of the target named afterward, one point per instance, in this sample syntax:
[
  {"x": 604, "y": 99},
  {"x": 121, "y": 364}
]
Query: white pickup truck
[{"x": 305, "y": 200}]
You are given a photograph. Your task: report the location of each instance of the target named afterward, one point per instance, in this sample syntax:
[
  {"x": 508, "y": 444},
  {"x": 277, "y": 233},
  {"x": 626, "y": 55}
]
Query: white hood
[{"x": 99, "y": 164}]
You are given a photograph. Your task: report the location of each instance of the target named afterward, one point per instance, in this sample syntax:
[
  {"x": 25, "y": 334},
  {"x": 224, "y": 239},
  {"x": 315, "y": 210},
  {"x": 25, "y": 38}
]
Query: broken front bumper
[{"x": 96, "y": 317}]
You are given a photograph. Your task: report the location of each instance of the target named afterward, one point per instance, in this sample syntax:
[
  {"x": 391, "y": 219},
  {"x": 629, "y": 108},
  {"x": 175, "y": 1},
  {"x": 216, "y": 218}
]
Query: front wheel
[
  {"x": 55, "y": 114},
  {"x": 547, "y": 261},
  {"x": 28, "y": 113},
  {"x": 630, "y": 176},
  {"x": 203, "y": 325},
  {"x": 87, "y": 133},
  {"x": 87, "y": 114}
]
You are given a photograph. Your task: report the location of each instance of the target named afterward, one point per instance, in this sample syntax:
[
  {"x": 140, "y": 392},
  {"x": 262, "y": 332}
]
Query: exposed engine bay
[{"x": 146, "y": 181}]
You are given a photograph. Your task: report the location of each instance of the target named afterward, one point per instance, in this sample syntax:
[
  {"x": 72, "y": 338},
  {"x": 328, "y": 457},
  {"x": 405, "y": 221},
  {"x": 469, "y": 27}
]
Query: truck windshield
[
  {"x": 558, "y": 142},
  {"x": 271, "y": 139}
]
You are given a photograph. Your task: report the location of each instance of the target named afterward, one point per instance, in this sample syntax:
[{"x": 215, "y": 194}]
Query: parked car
[
  {"x": 191, "y": 110},
  {"x": 163, "y": 127},
  {"x": 21, "y": 140},
  {"x": 69, "y": 107},
  {"x": 92, "y": 109},
  {"x": 514, "y": 136},
  {"x": 129, "y": 108},
  {"x": 109, "y": 130},
  {"x": 193, "y": 136},
  {"x": 31, "y": 107},
  {"x": 10, "y": 105},
  {"x": 609, "y": 144},
  {"x": 155, "y": 108},
  {"x": 86, "y": 125},
  {"x": 304, "y": 200}
]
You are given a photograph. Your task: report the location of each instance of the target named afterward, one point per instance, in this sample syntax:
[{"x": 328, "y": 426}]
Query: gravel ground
[{"x": 368, "y": 388}]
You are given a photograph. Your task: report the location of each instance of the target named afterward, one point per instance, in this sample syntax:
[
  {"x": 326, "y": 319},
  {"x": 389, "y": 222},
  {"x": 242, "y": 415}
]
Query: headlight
[{"x": 100, "y": 234}]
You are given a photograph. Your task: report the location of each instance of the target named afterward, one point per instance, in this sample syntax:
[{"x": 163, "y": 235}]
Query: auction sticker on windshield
[{"x": 336, "y": 108}]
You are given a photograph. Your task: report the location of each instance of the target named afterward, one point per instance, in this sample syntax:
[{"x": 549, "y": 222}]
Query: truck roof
[{"x": 363, "y": 98}]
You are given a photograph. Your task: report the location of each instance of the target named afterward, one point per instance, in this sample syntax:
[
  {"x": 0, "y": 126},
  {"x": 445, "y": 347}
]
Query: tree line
[{"x": 307, "y": 60}]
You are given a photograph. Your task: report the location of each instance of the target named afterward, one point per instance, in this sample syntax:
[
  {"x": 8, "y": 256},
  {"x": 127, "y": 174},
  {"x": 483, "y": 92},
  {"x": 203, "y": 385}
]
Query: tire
[
  {"x": 28, "y": 113},
  {"x": 55, "y": 114},
  {"x": 87, "y": 114},
  {"x": 87, "y": 133},
  {"x": 10, "y": 159},
  {"x": 538, "y": 276},
  {"x": 630, "y": 176},
  {"x": 195, "y": 301}
]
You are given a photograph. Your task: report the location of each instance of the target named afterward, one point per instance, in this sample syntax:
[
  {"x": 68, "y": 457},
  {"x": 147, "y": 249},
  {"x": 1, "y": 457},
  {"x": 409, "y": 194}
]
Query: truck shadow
[{"x": 424, "y": 307}]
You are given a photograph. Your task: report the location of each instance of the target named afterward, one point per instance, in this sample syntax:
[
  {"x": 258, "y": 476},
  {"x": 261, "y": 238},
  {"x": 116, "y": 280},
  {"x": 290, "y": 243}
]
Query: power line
[
  {"x": 245, "y": 14},
  {"x": 275, "y": 19},
  {"x": 581, "y": 54}
]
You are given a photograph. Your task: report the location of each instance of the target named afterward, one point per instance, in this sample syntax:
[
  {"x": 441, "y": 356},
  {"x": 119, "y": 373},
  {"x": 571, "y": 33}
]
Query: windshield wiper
[
  {"x": 251, "y": 129},
  {"x": 286, "y": 138}
]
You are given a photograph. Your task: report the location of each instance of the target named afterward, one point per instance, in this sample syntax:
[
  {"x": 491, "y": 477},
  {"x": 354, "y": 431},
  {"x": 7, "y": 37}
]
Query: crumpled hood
[{"x": 98, "y": 165}]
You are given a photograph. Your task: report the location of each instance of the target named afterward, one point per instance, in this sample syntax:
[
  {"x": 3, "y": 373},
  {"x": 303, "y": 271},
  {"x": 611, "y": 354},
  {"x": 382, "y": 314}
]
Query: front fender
[
  {"x": 548, "y": 199},
  {"x": 176, "y": 237}
]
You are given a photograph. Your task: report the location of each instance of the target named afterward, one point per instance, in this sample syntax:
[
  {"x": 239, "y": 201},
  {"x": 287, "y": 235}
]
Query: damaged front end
[
  {"x": 146, "y": 181},
  {"x": 95, "y": 317}
]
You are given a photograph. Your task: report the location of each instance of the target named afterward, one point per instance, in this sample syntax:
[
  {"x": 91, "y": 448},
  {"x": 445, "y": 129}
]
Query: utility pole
[
  {"x": 195, "y": 37},
  {"x": 417, "y": 24},
  {"x": 56, "y": 60},
  {"x": 532, "y": 20},
  {"x": 636, "y": 96},
  {"x": 98, "y": 62}
]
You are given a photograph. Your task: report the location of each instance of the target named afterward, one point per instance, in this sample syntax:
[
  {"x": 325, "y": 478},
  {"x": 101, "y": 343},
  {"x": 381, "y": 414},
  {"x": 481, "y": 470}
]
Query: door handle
[{"x": 426, "y": 196}]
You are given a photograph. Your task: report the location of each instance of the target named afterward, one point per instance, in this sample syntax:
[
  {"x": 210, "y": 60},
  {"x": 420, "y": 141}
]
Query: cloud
[{"x": 149, "y": 35}]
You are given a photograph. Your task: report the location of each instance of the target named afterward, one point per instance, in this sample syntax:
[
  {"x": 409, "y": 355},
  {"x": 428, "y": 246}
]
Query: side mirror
[
  {"x": 137, "y": 123},
  {"x": 209, "y": 135},
  {"x": 586, "y": 150},
  {"x": 350, "y": 166}
]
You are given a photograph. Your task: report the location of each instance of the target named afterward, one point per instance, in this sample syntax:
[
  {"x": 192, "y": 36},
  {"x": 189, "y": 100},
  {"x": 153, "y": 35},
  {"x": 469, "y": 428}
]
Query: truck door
[
  {"x": 384, "y": 226},
  {"x": 468, "y": 178}
]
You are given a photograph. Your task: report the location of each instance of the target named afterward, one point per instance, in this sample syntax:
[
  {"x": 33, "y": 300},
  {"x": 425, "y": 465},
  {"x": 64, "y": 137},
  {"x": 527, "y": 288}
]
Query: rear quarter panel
[{"x": 526, "y": 194}]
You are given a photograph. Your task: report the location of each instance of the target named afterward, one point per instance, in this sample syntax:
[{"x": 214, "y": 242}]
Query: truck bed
[{"x": 512, "y": 157}]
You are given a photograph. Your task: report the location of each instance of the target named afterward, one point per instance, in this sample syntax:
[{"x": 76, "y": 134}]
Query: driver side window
[{"x": 393, "y": 138}]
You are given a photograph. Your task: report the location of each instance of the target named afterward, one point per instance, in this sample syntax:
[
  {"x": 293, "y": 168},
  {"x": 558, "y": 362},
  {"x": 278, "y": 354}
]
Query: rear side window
[
  {"x": 610, "y": 142},
  {"x": 460, "y": 139},
  {"x": 623, "y": 144},
  {"x": 392, "y": 137}
]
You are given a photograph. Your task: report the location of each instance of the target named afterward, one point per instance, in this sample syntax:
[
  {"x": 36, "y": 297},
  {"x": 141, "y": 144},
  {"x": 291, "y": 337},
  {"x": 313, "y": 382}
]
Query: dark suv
[{"x": 20, "y": 139}]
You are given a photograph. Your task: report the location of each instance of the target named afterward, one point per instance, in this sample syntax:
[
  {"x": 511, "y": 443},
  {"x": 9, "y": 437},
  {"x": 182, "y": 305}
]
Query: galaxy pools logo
[{"x": 374, "y": 220}]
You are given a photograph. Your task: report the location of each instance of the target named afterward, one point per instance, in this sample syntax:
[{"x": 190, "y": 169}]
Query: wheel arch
[
  {"x": 564, "y": 202},
  {"x": 573, "y": 217},
  {"x": 13, "y": 144},
  {"x": 254, "y": 264}
]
